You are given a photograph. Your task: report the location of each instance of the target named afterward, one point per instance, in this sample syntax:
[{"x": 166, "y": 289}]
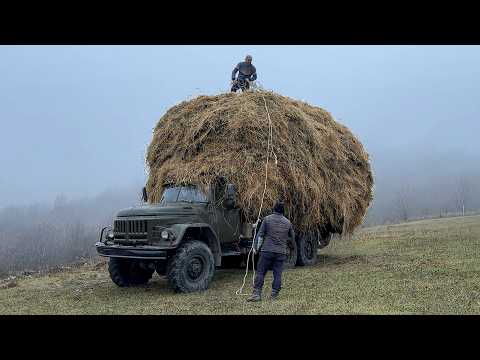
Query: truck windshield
[{"x": 189, "y": 194}]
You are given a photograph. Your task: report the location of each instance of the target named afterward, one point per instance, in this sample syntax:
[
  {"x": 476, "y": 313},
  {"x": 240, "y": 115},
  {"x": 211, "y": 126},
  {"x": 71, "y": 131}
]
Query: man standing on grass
[
  {"x": 271, "y": 241},
  {"x": 246, "y": 72}
]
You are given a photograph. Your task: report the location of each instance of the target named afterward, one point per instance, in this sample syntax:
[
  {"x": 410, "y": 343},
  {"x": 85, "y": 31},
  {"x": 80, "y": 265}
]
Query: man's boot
[
  {"x": 274, "y": 294},
  {"x": 256, "y": 295}
]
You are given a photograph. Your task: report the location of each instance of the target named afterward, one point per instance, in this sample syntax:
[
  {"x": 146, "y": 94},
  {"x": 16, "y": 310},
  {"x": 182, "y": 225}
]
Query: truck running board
[{"x": 231, "y": 253}]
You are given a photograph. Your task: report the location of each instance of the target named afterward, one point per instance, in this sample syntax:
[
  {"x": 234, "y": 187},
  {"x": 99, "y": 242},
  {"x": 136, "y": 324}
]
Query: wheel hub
[{"x": 195, "y": 268}]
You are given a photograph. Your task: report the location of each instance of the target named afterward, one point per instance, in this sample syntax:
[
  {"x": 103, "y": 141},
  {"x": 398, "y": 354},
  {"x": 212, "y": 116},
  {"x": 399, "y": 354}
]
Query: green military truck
[{"x": 186, "y": 236}]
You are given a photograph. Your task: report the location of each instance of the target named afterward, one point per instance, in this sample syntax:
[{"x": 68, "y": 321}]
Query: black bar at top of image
[
  {"x": 278, "y": 25},
  {"x": 206, "y": 37}
]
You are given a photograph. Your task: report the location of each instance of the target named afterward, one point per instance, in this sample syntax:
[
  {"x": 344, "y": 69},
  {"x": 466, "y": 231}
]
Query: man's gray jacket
[
  {"x": 245, "y": 71},
  {"x": 274, "y": 233}
]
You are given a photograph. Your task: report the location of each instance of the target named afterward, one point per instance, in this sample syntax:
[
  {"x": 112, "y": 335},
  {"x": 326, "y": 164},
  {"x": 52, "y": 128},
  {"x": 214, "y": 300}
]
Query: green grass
[{"x": 422, "y": 267}]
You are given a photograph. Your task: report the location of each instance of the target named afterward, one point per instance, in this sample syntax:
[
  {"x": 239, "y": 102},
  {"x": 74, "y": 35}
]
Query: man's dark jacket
[
  {"x": 245, "y": 71},
  {"x": 275, "y": 231}
]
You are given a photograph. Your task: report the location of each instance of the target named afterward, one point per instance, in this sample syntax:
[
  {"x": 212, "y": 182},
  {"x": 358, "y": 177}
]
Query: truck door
[{"x": 226, "y": 221}]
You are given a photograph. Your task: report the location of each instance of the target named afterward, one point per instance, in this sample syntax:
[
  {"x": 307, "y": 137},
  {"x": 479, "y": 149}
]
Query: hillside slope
[{"x": 422, "y": 267}]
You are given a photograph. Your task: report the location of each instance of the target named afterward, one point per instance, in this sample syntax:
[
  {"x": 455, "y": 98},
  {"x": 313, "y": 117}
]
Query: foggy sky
[{"x": 77, "y": 119}]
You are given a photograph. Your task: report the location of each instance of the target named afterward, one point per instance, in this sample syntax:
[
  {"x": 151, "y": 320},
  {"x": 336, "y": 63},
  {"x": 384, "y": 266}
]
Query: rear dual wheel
[{"x": 308, "y": 244}]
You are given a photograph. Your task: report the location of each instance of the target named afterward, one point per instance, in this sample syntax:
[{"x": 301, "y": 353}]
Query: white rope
[{"x": 269, "y": 141}]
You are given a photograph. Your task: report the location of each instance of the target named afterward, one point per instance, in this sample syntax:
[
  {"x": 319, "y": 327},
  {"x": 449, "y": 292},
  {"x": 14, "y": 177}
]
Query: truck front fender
[{"x": 201, "y": 232}]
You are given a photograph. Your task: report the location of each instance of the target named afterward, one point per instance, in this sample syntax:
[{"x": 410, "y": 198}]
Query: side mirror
[
  {"x": 144, "y": 194},
  {"x": 231, "y": 199}
]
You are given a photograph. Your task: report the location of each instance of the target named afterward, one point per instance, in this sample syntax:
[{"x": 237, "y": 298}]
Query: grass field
[{"x": 422, "y": 267}]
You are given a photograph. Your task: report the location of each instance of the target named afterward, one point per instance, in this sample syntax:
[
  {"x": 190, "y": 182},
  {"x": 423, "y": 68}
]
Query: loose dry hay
[{"x": 322, "y": 171}]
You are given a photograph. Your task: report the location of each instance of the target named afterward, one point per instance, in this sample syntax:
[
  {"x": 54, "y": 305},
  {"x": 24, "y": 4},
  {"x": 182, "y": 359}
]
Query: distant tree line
[
  {"x": 38, "y": 237},
  {"x": 406, "y": 201}
]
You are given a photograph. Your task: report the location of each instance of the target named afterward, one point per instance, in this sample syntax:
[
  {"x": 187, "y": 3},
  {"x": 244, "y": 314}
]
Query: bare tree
[
  {"x": 35, "y": 237},
  {"x": 403, "y": 202},
  {"x": 60, "y": 201},
  {"x": 462, "y": 192}
]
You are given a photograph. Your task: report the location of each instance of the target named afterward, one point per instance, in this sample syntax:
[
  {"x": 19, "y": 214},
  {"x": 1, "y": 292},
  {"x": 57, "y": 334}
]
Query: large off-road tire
[
  {"x": 191, "y": 268},
  {"x": 307, "y": 249},
  {"x": 291, "y": 255},
  {"x": 127, "y": 272}
]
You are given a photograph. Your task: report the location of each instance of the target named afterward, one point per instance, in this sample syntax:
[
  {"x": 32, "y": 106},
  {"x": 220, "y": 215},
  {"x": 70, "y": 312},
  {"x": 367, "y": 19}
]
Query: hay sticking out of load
[{"x": 316, "y": 165}]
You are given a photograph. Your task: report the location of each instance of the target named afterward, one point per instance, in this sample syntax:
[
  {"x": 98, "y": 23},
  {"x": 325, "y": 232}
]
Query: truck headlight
[{"x": 165, "y": 235}]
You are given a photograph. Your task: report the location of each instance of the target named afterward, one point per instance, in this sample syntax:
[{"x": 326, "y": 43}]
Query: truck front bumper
[{"x": 145, "y": 252}]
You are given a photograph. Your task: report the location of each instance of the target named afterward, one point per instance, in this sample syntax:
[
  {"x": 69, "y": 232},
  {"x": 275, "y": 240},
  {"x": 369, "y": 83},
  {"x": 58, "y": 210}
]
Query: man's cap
[{"x": 279, "y": 207}]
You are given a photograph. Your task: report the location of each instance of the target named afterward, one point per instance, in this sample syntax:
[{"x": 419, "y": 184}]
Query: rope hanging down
[{"x": 269, "y": 143}]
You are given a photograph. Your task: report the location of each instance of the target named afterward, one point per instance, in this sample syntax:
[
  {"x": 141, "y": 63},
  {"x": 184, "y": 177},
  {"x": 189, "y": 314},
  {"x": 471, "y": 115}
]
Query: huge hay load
[{"x": 315, "y": 164}]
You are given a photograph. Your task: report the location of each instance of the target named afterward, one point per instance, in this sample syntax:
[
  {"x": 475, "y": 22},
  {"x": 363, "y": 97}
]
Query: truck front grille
[{"x": 132, "y": 228}]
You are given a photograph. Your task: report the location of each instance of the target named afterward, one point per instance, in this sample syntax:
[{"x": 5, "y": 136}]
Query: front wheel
[{"x": 191, "y": 268}]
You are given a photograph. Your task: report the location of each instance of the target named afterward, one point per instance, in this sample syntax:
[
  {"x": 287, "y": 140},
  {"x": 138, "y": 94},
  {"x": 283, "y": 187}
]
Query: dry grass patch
[{"x": 427, "y": 267}]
